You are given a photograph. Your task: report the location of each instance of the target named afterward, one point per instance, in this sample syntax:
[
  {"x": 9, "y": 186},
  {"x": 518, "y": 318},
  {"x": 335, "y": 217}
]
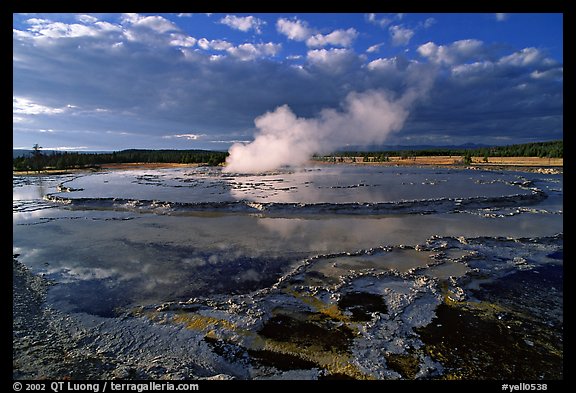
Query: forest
[
  {"x": 38, "y": 160},
  {"x": 552, "y": 149}
]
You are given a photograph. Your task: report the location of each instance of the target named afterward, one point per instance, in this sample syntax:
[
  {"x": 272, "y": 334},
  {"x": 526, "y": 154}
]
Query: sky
[{"x": 97, "y": 82}]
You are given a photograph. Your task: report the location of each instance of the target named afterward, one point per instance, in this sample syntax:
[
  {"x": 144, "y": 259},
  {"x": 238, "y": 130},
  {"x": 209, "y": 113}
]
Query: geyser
[{"x": 283, "y": 139}]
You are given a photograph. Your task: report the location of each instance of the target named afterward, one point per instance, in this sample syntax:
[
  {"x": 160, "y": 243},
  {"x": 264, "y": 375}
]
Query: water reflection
[
  {"x": 239, "y": 280},
  {"x": 315, "y": 185},
  {"x": 149, "y": 258}
]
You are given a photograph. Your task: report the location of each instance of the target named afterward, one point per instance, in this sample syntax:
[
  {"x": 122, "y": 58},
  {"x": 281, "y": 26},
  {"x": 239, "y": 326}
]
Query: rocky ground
[{"x": 48, "y": 344}]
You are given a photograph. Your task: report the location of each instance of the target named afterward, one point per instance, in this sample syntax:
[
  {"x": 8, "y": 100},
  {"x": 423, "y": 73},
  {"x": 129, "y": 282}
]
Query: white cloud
[
  {"x": 472, "y": 69},
  {"x": 107, "y": 27},
  {"x": 382, "y": 22},
  {"x": 167, "y": 80},
  {"x": 24, "y": 106},
  {"x": 374, "y": 48},
  {"x": 154, "y": 31},
  {"x": 336, "y": 38},
  {"x": 500, "y": 16},
  {"x": 246, "y": 51},
  {"x": 190, "y": 137},
  {"x": 527, "y": 56},
  {"x": 429, "y": 22},
  {"x": 47, "y": 29},
  {"x": 243, "y": 23},
  {"x": 554, "y": 73},
  {"x": 86, "y": 18},
  {"x": 382, "y": 64},
  {"x": 154, "y": 22},
  {"x": 458, "y": 51},
  {"x": 214, "y": 44},
  {"x": 178, "y": 39},
  {"x": 400, "y": 35},
  {"x": 254, "y": 51},
  {"x": 335, "y": 60},
  {"x": 294, "y": 29}
]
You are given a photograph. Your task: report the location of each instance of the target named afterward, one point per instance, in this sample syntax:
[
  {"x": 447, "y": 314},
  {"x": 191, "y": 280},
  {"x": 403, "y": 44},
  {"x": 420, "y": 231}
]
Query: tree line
[
  {"x": 66, "y": 160},
  {"x": 552, "y": 149}
]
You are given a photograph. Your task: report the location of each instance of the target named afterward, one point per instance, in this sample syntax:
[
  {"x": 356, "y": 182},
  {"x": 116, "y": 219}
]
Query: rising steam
[{"x": 283, "y": 139}]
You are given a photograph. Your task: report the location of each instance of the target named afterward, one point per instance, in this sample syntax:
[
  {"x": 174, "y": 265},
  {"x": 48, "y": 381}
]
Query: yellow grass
[
  {"x": 455, "y": 160},
  {"x": 423, "y": 160}
]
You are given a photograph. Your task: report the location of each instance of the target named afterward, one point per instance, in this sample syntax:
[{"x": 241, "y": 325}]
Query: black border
[{"x": 323, "y": 6}]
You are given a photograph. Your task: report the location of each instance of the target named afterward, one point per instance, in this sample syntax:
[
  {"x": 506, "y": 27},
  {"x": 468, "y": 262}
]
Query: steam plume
[{"x": 283, "y": 139}]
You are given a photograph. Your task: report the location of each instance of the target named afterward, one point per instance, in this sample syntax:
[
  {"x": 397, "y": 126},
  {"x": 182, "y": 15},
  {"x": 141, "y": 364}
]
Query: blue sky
[{"x": 199, "y": 81}]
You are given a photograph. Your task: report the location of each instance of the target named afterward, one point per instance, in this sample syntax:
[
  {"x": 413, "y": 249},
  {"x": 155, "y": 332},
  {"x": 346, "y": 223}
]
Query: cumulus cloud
[
  {"x": 343, "y": 38},
  {"x": 333, "y": 61},
  {"x": 45, "y": 28},
  {"x": 374, "y": 48},
  {"x": 524, "y": 57},
  {"x": 155, "y": 23},
  {"x": 182, "y": 40},
  {"x": 86, "y": 18},
  {"x": 400, "y": 35},
  {"x": 247, "y": 51},
  {"x": 214, "y": 44},
  {"x": 299, "y": 30},
  {"x": 243, "y": 23},
  {"x": 294, "y": 29},
  {"x": 254, "y": 51},
  {"x": 132, "y": 77},
  {"x": 456, "y": 52},
  {"x": 382, "y": 22}
]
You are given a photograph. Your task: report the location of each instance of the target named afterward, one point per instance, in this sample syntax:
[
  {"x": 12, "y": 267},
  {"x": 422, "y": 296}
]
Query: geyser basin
[
  {"x": 200, "y": 272},
  {"x": 317, "y": 185}
]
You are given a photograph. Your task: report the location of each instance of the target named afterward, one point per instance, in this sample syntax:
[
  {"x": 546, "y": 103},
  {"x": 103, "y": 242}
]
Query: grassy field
[
  {"x": 478, "y": 162},
  {"x": 457, "y": 160}
]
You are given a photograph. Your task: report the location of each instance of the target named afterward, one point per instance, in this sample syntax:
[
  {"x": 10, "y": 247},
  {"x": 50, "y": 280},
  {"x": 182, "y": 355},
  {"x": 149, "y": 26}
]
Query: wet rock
[
  {"x": 280, "y": 361},
  {"x": 323, "y": 334},
  {"x": 406, "y": 365},
  {"x": 220, "y": 377},
  {"x": 361, "y": 305}
]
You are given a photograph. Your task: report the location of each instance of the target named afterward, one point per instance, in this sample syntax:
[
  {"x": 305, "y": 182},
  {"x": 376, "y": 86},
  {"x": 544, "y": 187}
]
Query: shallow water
[{"x": 224, "y": 254}]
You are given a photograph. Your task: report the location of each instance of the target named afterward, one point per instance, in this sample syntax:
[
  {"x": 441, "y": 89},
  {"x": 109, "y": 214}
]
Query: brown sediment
[
  {"x": 406, "y": 365},
  {"x": 500, "y": 337},
  {"x": 290, "y": 339}
]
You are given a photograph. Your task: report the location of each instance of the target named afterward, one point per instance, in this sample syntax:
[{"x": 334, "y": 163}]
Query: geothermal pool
[{"x": 324, "y": 272}]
